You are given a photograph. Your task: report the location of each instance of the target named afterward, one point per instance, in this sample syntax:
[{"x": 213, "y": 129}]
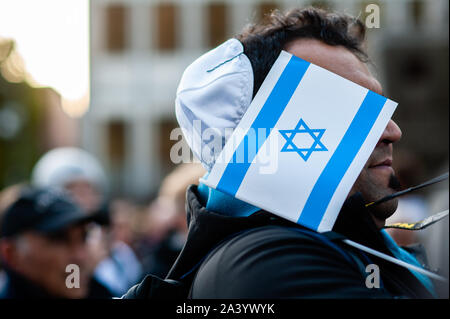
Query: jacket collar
[
  {"x": 355, "y": 222},
  {"x": 206, "y": 230}
]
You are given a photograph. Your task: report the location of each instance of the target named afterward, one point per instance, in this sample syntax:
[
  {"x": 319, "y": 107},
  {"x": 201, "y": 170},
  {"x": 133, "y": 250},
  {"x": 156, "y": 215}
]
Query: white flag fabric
[{"x": 302, "y": 143}]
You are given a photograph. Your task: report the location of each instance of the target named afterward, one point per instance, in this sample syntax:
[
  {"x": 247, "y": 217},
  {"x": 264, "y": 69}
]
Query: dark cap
[{"x": 44, "y": 210}]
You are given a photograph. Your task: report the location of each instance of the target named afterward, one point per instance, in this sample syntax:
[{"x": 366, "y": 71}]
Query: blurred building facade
[{"x": 139, "y": 49}]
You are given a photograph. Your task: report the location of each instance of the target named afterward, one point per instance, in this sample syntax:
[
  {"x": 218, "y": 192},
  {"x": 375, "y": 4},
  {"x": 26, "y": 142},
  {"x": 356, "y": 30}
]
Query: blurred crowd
[{"x": 63, "y": 216}]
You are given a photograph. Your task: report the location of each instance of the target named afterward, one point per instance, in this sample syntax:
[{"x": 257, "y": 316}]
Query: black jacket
[
  {"x": 263, "y": 256},
  {"x": 19, "y": 287}
]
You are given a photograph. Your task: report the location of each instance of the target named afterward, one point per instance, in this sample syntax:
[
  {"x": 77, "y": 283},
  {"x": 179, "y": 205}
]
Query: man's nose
[{"x": 391, "y": 134}]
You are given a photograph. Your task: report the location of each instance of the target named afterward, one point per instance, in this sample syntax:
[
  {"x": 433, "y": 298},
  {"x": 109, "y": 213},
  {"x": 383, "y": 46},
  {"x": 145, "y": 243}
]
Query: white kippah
[{"x": 215, "y": 91}]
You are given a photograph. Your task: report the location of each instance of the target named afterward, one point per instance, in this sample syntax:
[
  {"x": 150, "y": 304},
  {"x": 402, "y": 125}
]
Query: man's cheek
[{"x": 359, "y": 182}]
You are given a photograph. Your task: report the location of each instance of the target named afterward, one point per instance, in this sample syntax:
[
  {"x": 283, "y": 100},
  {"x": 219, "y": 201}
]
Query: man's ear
[{"x": 9, "y": 252}]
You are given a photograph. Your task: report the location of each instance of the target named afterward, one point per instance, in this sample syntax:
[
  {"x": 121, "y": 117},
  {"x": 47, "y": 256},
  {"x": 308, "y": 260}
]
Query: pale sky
[{"x": 52, "y": 36}]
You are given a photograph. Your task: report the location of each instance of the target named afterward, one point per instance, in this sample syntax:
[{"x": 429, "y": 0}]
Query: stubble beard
[{"x": 388, "y": 208}]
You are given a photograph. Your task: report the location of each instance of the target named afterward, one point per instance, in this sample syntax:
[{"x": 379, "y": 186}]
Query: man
[
  {"x": 166, "y": 229},
  {"x": 261, "y": 255},
  {"x": 77, "y": 171},
  {"x": 42, "y": 233},
  {"x": 81, "y": 174}
]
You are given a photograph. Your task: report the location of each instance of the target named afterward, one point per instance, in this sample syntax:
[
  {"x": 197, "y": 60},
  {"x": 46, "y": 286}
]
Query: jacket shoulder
[{"x": 279, "y": 262}]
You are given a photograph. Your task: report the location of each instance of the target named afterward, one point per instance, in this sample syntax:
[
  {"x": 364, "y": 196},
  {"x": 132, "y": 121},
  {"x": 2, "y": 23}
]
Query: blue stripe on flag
[
  {"x": 267, "y": 118},
  {"x": 322, "y": 192}
]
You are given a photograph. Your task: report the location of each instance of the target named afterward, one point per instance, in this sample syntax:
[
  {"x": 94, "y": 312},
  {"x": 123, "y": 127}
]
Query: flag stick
[
  {"x": 421, "y": 224},
  {"x": 394, "y": 260},
  {"x": 392, "y": 196}
]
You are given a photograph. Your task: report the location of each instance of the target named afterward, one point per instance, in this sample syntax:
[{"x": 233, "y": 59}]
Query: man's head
[
  {"x": 42, "y": 233},
  {"x": 74, "y": 170},
  {"x": 334, "y": 42}
]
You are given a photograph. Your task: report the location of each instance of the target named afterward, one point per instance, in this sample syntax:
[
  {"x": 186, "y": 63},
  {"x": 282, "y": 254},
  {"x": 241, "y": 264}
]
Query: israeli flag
[{"x": 302, "y": 143}]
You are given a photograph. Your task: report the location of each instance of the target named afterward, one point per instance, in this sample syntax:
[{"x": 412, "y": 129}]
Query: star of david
[{"x": 304, "y": 152}]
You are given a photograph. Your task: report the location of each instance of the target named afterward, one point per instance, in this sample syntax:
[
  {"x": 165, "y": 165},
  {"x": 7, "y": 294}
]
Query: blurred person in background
[
  {"x": 7, "y": 197},
  {"x": 122, "y": 268},
  {"x": 82, "y": 175},
  {"x": 437, "y": 240},
  {"x": 41, "y": 233},
  {"x": 75, "y": 170},
  {"x": 166, "y": 228}
]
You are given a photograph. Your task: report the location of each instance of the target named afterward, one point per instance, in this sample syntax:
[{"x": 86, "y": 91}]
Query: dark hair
[{"x": 264, "y": 41}]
